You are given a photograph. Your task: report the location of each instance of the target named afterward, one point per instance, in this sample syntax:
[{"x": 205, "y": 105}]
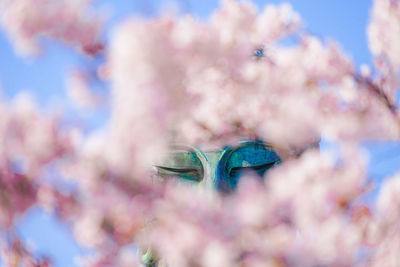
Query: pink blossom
[
  {"x": 26, "y": 21},
  {"x": 208, "y": 84},
  {"x": 78, "y": 89}
]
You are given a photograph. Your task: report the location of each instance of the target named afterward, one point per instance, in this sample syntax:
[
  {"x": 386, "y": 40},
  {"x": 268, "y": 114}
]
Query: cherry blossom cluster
[
  {"x": 70, "y": 21},
  {"x": 384, "y": 43},
  {"x": 31, "y": 142},
  {"x": 208, "y": 84}
]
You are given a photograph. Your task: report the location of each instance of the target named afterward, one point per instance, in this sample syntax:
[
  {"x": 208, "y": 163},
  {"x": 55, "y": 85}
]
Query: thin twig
[{"x": 375, "y": 89}]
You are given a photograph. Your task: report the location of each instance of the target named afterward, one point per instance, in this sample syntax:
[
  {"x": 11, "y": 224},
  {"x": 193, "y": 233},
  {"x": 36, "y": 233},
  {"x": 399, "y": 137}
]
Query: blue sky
[{"x": 341, "y": 20}]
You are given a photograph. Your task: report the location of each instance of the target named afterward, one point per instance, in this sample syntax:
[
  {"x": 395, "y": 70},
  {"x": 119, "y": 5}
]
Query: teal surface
[
  {"x": 182, "y": 163},
  {"x": 247, "y": 157},
  {"x": 219, "y": 169}
]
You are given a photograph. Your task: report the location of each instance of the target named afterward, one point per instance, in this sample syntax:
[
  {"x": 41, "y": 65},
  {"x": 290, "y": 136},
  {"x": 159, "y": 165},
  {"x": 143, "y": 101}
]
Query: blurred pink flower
[{"x": 26, "y": 21}]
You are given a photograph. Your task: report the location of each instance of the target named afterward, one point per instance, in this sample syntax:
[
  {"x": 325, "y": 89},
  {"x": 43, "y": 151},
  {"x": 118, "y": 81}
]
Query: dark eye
[
  {"x": 249, "y": 157},
  {"x": 259, "y": 169},
  {"x": 182, "y": 164}
]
